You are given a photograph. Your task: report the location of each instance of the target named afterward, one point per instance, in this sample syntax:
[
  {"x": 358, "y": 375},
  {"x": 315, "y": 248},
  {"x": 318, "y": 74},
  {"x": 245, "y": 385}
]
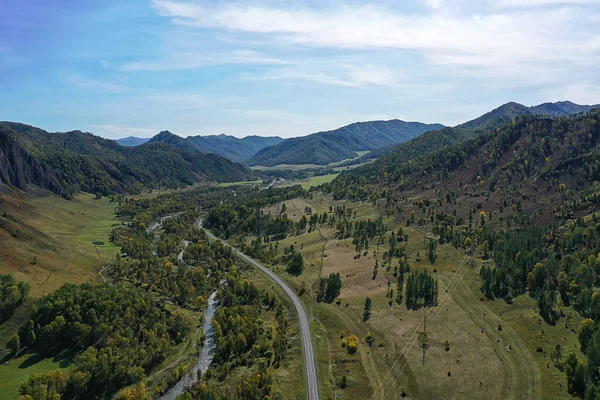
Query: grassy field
[
  {"x": 494, "y": 346},
  {"x": 538, "y": 335},
  {"x": 19, "y": 369},
  {"x": 148, "y": 193},
  {"x": 227, "y": 184},
  {"x": 310, "y": 182},
  {"x": 295, "y": 167},
  {"x": 47, "y": 240},
  {"x": 319, "y": 180}
]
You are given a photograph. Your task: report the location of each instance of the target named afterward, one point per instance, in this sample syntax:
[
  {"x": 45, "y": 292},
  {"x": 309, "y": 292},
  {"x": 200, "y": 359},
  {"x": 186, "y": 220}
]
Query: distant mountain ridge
[
  {"x": 323, "y": 148},
  {"x": 556, "y": 150},
  {"x": 508, "y": 111},
  {"x": 435, "y": 140},
  {"x": 77, "y": 161},
  {"x": 230, "y": 147},
  {"x": 234, "y": 148},
  {"x": 131, "y": 141}
]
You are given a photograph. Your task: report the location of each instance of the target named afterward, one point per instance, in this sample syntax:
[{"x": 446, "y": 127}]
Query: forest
[{"x": 121, "y": 334}]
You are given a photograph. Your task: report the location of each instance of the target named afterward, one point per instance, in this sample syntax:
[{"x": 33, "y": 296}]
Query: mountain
[
  {"x": 18, "y": 168},
  {"x": 435, "y": 140},
  {"x": 323, "y": 148},
  {"x": 508, "y": 111},
  {"x": 527, "y": 158},
  {"x": 562, "y": 108},
  {"x": 132, "y": 141},
  {"x": 227, "y": 146},
  {"x": 497, "y": 117},
  {"x": 233, "y": 148},
  {"x": 72, "y": 161},
  {"x": 174, "y": 140}
]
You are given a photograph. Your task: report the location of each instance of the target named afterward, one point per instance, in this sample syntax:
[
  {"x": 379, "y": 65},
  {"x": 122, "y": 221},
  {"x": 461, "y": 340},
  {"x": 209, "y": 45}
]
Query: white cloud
[
  {"x": 538, "y": 3},
  {"x": 93, "y": 84},
  {"x": 335, "y": 74},
  {"x": 484, "y": 40},
  {"x": 191, "y": 60},
  {"x": 120, "y": 131},
  {"x": 372, "y": 74},
  {"x": 580, "y": 92},
  {"x": 433, "y": 4}
]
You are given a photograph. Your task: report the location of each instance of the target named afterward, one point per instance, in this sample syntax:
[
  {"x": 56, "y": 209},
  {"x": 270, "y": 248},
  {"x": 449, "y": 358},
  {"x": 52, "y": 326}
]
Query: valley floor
[{"x": 497, "y": 350}]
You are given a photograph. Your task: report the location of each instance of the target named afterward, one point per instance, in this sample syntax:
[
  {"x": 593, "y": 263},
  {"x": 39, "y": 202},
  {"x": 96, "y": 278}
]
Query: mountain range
[
  {"x": 346, "y": 143},
  {"x": 527, "y": 158},
  {"x": 68, "y": 162},
  {"x": 231, "y": 147},
  {"x": 435, "y": 140},
  {"x": 324, "y": 148}
]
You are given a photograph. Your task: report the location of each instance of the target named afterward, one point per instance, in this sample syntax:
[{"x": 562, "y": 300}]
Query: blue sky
[{"x": 287, "y": 68}]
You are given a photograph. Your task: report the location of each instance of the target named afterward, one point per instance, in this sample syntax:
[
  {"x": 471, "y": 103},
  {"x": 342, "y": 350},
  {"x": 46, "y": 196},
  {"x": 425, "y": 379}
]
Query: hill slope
[
  {"x": 529, "y": 155},
  {"x": 72, "y": 161},
  {"x": 323, "y": 148},
  {"x": 435, "y": 140},
  {"x": 230, "y": 147}
]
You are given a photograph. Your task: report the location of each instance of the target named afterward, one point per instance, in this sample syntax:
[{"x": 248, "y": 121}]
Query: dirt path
[
  {"x": 104, "y": 268},
  {"x": 524, "y": 380},
  {"x": 354, "y": 325}
]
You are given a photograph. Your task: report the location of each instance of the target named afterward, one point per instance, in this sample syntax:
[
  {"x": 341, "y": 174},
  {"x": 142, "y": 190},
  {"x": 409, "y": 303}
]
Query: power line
[{"x": 449, "y": 292}]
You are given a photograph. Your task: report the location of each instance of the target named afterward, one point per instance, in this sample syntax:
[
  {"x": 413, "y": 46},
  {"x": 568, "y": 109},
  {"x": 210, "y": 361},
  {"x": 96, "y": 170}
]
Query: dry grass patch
[{"x": 47, "y": 240}]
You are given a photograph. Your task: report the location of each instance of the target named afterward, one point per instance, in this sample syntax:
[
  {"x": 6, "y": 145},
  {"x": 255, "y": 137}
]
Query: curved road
[{"x": 310, "y": 366}]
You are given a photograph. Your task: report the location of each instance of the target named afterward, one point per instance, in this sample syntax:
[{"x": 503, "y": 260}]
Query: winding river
[{"x": 206, "y": 354}]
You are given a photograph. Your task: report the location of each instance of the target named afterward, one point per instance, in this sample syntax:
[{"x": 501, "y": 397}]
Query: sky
[{"x": 287, "y": 68}]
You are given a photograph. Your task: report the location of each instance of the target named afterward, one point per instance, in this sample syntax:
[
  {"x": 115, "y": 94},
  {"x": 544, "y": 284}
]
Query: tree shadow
[
  {"x": 31, "y": 360},
  {"x": 64, "y": 359}
]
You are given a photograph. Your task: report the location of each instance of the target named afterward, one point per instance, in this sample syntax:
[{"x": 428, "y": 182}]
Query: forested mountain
[
  {"x": 132, "y": 141},
  {"x": 323, "y": 148},
  {"x": 508, "y": 111},
  {"x": 227, "y": 146},
  {"x": 435, "y": 140},
  {"x": 529, "y": 154},
  {"x": 174, "y": 140},
  {"x": 497, "y": 117},
  {"x": 68, "y": 162}
]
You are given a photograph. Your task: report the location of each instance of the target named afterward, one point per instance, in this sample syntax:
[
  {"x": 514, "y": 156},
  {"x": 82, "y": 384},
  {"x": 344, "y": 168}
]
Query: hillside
[
  {"x": 522, "y": 202},
  {"x": 528, "y": 156},
  {"x": 435, "y": 140},
  {"x": 72, "y": 161},
  {"x": 323, "y": 148},
  {"x": 132, "y": 141},
  {"x": 230, "y": 147}
]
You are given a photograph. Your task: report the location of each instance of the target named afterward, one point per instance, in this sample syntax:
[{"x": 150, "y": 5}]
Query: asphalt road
[{"x": 310, "y": 366}]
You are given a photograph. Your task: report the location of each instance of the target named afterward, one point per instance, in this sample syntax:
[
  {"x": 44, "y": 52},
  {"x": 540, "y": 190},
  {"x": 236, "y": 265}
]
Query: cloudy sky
[{"x": 287, "y": 68}]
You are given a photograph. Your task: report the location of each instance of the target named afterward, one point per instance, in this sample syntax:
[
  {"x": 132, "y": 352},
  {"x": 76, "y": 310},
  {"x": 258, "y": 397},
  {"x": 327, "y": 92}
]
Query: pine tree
[{"x": 367, "y": 310}]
